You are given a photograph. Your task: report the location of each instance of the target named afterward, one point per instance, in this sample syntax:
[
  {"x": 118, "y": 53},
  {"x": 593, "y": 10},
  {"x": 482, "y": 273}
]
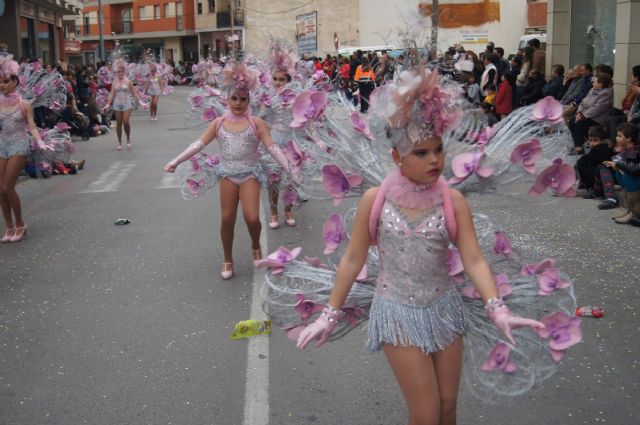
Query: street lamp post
[{"x": 100, "y": 18}]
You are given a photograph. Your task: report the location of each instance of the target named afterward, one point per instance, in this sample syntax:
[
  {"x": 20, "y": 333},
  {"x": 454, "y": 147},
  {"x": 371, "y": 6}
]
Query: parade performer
[
  {"x": 435, "y": 280},
  {"x": 154, "y": 87},
  {"x": 17, "y": 126},
  {"x": 237, "y": 169},
  {"x": 275, "y": 108},
  {"x": 120, "y": 101}
]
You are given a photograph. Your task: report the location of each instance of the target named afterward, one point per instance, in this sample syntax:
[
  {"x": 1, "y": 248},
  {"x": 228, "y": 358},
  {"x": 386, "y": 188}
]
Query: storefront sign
[
  {"x": 72, "y": 46},
  {"x": 27, "y": 10},
  {"x": 306, "y": 34},
  {"x": 474, "y": 37},
  {"x": 47, "y": 15}
]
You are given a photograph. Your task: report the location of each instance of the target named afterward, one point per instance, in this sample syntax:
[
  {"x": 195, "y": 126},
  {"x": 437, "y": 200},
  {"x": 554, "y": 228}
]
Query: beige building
[
  {"x": 595, "y": 31},
  {"x": 309, "y": 27}
]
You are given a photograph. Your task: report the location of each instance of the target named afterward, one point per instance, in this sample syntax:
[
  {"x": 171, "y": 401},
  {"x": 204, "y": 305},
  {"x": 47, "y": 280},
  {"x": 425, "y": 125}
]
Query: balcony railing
[
  {"x": 223, "y": 19},
  {"x": 122, "y": 27}
]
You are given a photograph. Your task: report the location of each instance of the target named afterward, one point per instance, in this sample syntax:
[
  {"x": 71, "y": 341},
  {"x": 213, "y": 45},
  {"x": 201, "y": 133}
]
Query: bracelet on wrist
[{"x": 493, "y": 303}]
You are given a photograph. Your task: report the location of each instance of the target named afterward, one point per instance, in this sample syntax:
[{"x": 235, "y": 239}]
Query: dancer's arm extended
[{"x": 209, "y": 134}]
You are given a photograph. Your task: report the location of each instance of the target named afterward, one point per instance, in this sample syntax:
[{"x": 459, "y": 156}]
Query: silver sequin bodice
[
  {"x": 238, "y": 150},
  {"x": 122, "y": 92},
  {"x": 14, "y": 126},
  {"x": 413, "y": 256}
]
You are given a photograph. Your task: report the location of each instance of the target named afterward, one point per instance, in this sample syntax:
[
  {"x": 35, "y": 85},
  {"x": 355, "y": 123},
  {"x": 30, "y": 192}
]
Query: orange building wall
[{"x": 537, "y": 14}]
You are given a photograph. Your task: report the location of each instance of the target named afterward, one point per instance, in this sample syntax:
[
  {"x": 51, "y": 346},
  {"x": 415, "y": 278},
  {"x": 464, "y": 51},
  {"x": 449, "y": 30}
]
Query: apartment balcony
[
  {"x": 122, "y": 27},
  {"x": 223, "y": 19}
]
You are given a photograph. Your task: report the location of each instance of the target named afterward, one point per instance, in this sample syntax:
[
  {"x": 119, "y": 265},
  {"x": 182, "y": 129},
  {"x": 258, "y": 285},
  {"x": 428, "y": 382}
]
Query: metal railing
[{"x": 122, "y": 27}]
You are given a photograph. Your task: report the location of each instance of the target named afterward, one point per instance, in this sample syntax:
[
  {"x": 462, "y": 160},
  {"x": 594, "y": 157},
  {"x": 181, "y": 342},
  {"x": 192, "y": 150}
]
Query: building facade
[
  {"x": 595, "y": 31},
  {"x": 164, "y": 28},
  {"x": 34, "y": 28}
]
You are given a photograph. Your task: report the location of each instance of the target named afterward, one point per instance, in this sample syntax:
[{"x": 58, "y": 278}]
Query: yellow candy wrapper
[{"x": 248, "y": 328}]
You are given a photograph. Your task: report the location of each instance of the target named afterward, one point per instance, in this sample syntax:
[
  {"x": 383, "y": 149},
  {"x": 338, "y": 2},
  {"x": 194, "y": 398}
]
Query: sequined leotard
[
  {"x": 14, "y": 137},
  {"x": 415, "y": 303},
  {"x": 154, "y": 88},
  {"x": 122, "y": 99},
  {"x": 239, "y": 157}
]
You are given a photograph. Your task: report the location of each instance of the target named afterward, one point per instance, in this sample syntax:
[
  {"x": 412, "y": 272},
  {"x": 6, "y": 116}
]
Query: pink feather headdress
[
  {"x": 119, "y": 63},
  {"x": 417, "y": 107},
  {"x": 282, "y": 60},
  {"x": 238, "y": 78},
  {"x": 8, "y": 66}
]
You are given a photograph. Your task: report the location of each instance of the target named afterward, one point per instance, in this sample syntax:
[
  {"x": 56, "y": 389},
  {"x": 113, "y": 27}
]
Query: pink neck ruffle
[
  {"x": 9, "y": 100},
  {"x": 407, "y": 194},
  {"x": 231, "y": 117}
]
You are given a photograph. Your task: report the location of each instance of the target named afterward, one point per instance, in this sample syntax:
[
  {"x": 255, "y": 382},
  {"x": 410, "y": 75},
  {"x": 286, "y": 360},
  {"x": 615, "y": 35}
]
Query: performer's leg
[
  {"x": 126, "y": 117},
  {"x": 118, "y": 115},
  {"x": 417, "y": 378},
  {"x": 15, "y": 164},
  {"x": 4, "y": 199},
  {"x": 448, "y": 365},
  {"x": 250, "y": 201},
  {"x": 229, "y": 195}
]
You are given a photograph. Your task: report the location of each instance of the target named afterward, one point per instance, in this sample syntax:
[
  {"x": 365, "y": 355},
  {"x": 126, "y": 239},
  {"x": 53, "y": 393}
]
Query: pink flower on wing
[
  {"x": 195, "y": 163},
  {"x": 332, "y": 233},
  {"x": 274, "y": 176},
  {"x": 502, "y": 245},
  {"x": 352, "y": 315},
  {"x": 548, "y": 109},
  {"x": 264, "y": 79},
  {"x": 212, "y": 160},
  {"x": 484, "y": 136},
  {"x": 308, "y": 106},
  {"x": 195, "y": 100},
  {"x": 361, "y": 125},
  {"x": 465, "y": 164},
  {"x": 290, "y": 197},
  {"x": 294, "y": 154},
  {"x": 531, "y": 269},
  {"x": 558, "y": 176},
  {"x": 265, "y": 100},
  {"x": 195, "y": 186},
  {"x": 337, "y": 184},
  {"x": 209, "y": 114},
  {"x": 562, "y": 330},
  {"x": 62, "y": 126},
  {"x": 527, "y": 154},
  {"x": 499, "y": 359},
  {"x": 315, "y": 262},
  {"x": 549, "y": 280},
  {"x": 278, "y": 259},
  {"x": 306, "y": 308},
  {"x": 502, "y": 284},
  {"x": 287, "y": 96}
]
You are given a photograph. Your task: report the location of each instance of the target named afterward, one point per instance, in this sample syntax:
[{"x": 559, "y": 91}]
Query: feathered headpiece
[
  {"x": 417, "y": 107},
  {"x": 8, "y": 66},
  {"x": 238, "y": 78},
  {"x": 282, "y": 59},
  {"x": 119, "y": 63}
]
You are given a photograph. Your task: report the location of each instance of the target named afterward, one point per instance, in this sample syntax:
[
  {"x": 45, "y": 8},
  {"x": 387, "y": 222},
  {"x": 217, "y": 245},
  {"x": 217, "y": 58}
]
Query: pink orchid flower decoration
[
  {"x": 212, "y": 160},
  {"x": 62, "y": 126},
  {"x": 352, "y": 315},
  {"x": 195, "y": 100},
  {"x": 332, "y": 233},
  {"x": 527, "y": 154},
  {"x": 308, "y": 106},
  {"x": 361, "y": 125},
  {"x": 315, "y": 262},
  {"x": 558, "y": 176},
  {"x": 562, "y": 330},
  {"x": 39, "y": 89},
  {"x": 278, "y": 259},
  {"x": 195, "y": 186},
  {"x": 337, "y": 184},
  {"x": 274, "y": 176},
  {"x": 209, "y": 114},
  {"x": 266, "y": 100},
  {"x": 531, "y": 269},
  {"x": 290, "y": 197},
  {"x": 484, "y": 136},
  {"x": 195, "y": 163},
  {"x": 499, "y": 359},
  {"x": 502, "y": 284},
  {"x": 549, "y": 280},
  {"x": 466, "y": 164},
  {"x": 287, "y": 96},
  {"x": 294, "y": 154},
  {"x": 548, "y": 109},
  {"x": 306, "y": 308},
  {"x": 502, "y": 245}
]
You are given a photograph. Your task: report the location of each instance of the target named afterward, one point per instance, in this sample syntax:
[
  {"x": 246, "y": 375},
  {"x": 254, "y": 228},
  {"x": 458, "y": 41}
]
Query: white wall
[{"x": 382, "y": 20}]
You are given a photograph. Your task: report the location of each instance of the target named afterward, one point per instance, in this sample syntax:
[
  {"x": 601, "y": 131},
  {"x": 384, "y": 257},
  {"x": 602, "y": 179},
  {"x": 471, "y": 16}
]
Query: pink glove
[
  {"x": 43, "y": 146},
  {"x": 321, "y": 329},
  {"x": 501, "y": 317},
  {"x": 191, "y": 150},
  {"x": 281, "y": 159}
]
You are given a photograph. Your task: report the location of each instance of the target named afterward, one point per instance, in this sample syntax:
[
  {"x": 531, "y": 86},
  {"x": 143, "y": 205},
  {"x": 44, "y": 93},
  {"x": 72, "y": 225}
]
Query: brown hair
[{"x": 605, "y": 79}]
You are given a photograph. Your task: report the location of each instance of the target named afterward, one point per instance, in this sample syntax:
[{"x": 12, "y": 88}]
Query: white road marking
[
  {"x": 256, "y": 396},
  {"x": 169, "y": 181},
  {"x": 110, "y": 180}
]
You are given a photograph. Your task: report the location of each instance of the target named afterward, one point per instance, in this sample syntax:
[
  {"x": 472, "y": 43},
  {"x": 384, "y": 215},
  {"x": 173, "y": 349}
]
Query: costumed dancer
[
  {"x": 275, "y": 109},
  {"x": 154, "y": 87},
  {"x": 433, "y": 283},
  {"x": 120, "y": 101},
  {"x": 238, "y": 168},
  {"x": 17, "y": 126}
]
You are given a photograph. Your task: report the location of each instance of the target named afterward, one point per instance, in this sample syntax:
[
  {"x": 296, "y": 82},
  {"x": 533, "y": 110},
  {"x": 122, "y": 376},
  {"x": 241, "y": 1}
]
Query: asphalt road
[{"x": 104, "y": 324}]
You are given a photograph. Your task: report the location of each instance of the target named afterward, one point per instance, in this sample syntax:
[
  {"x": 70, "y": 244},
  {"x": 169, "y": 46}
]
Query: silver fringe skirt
[{"x": 431, "y": 328}]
